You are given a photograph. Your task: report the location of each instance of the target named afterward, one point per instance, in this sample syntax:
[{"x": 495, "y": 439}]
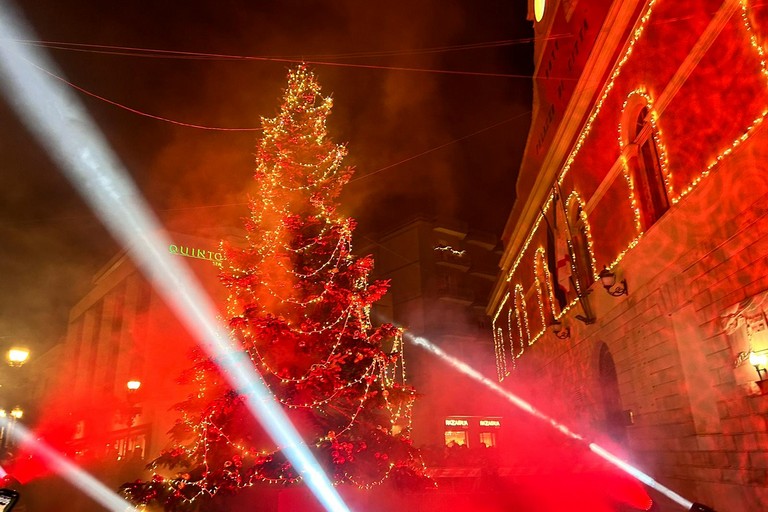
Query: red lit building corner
[
  {"x": 647, "y": 156},
  {"x": 121, "y": 331}
]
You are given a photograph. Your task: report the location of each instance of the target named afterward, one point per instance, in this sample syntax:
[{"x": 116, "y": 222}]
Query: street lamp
[
  {"x": 17, "y": 356},
  {"x": 560, "y": 331},
  {"x": 758, "y": 361},
  {"x": 608, "y": 279},
  {"x": 17, "y": 413},
  {"x": 133, "y": 410}
]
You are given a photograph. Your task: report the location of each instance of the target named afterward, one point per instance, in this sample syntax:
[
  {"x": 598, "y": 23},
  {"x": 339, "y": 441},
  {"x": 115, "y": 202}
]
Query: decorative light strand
[{"x": 663, "y": 160}]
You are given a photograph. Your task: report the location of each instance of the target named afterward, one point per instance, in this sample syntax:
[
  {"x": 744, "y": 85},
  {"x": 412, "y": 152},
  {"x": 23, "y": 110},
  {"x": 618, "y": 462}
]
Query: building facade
[
  {"x": 122, "y": 332},
  {"x": 646, "y": 165},
  {"x": 441, "y": 274}
]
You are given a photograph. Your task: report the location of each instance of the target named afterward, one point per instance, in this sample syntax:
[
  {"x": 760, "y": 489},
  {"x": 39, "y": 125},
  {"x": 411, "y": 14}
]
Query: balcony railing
[{"x": 451, "y": 258}]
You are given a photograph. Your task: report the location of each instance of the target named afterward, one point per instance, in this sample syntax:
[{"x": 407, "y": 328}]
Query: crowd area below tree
[{"x": 459, "y": 455}]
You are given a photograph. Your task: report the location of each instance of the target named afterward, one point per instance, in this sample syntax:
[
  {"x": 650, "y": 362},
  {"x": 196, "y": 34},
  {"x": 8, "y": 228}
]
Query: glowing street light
[
  {"x": 17, "y": 356},
  {"x": 759, "y": 361},
  {"x": 17, "y": 412}
]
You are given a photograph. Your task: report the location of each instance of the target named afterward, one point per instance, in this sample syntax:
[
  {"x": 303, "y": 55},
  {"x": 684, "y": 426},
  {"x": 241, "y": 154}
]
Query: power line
[
  {"x": 177, "y": 54},
  {"x": 137, "y": 51},
  {"x": 159, "y": 53},
  {"x": 139, "y": 112}
]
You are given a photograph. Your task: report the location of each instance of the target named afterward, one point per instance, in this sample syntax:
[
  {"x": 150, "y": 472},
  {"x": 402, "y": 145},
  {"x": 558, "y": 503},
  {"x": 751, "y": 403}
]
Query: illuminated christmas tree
[{"x": 300, "y": 305}]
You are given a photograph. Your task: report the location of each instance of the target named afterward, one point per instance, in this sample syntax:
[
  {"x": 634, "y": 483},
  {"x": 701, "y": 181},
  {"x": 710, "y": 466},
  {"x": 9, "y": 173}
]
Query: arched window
[{"x": 644, "y": 160}]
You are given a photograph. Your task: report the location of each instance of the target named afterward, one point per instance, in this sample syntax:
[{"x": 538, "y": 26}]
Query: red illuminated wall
[{"x": 698, "y": 426}]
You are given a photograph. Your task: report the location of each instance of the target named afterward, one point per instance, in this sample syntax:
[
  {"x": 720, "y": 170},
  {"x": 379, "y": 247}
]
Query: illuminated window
[
  {"x": 488, "y": 439},
  {"x": 645, "y": 168},
  {"x": 132, "y": 445},
  {"x": 456, "y": 438}
]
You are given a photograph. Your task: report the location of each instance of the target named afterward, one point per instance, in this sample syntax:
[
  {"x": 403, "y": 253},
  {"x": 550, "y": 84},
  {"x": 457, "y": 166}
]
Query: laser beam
[
  {"x": 527, "y": 407},
  {"x": 61, "y": 125},
  {"x": 79, "y": 478}
]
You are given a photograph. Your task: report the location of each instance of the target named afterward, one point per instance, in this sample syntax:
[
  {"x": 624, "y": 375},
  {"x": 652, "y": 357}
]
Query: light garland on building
[
  {"x": 633, "y": 201},
  {"x": 539, "y": 275}
]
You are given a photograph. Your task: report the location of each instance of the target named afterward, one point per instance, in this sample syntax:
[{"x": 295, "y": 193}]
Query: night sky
[{"x": 444, "y": 144}]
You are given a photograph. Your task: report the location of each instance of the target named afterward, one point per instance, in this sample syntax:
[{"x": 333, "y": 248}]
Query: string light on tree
[{"x": 299, "y": 303}]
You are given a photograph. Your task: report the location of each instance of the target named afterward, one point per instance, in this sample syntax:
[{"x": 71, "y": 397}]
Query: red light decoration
[
  {"x": 674, "y": 195},
  {"x": 300, "y": 304}
]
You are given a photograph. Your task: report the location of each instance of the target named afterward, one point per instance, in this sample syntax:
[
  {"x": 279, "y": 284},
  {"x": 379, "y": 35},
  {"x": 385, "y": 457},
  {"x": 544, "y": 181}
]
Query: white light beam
[
  {"x": 62, "y": 126},
  {"x": 525, "y": 406}
]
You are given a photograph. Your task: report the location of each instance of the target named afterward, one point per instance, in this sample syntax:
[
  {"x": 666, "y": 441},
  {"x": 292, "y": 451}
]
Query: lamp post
[
  {"x": 759, "y": 361},
  {"x": 134, "y": 410},
  {"x": 608, "y": 280},
  {"x": 17, "y": 356},
  {"x": 560, "y": 331},
  {"x": 7, "y": 423}
]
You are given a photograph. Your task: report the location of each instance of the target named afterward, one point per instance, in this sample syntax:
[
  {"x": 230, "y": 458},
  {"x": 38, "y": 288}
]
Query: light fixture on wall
[
  {"x": 17, "y": 356},
  {"x": 560, "y": 331},
  {"x": 608, "y": 279},
  {"x": 759, "y": 360}
]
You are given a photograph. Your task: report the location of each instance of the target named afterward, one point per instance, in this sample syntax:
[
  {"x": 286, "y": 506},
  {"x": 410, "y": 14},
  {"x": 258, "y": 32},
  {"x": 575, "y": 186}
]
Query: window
[
  {"x": 645, "y": 168},
  {"x": 488, "y": 439},
  {"x": 456, "y": 438},
  {"x": 131, "y": 445}
]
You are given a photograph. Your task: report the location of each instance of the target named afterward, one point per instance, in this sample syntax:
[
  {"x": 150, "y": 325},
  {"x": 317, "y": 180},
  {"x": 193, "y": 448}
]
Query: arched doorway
[{"x": 615, "y": 421}]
